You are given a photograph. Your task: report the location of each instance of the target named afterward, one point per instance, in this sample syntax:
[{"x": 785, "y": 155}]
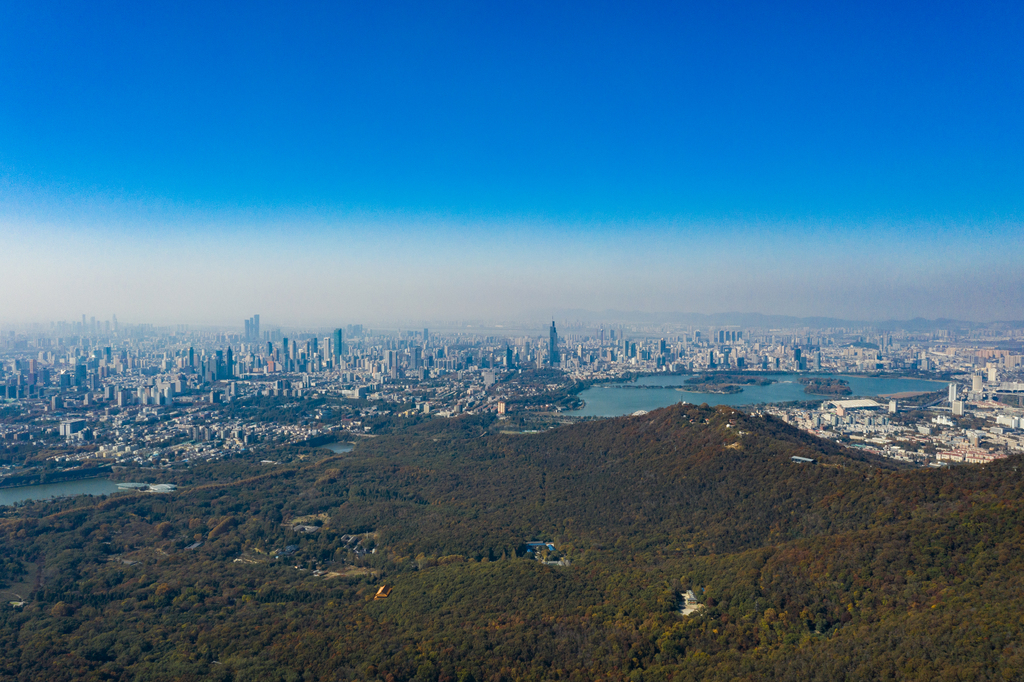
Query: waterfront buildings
[{"x": 168, "y": 395}]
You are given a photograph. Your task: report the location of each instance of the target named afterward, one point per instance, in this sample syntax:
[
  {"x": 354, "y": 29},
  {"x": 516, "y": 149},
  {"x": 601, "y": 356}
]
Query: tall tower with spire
[{"x": 553, "y": 357}]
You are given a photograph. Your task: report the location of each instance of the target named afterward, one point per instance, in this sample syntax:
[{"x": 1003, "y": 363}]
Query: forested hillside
[{"x": 844, "y": 569}]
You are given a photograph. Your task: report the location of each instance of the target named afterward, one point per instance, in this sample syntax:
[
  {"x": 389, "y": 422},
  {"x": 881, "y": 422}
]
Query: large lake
[
  {"x": 613, "y": 400},
  {"x": 88, "y": 486}
]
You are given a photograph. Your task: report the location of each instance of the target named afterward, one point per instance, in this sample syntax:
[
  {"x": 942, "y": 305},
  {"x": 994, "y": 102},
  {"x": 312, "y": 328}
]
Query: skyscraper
[
  {"x": 553, "y": 357},
  {"x": 337, "y": 339},
  {"x": 252, "y": 328},
  {"x": 952, "y": 393}
]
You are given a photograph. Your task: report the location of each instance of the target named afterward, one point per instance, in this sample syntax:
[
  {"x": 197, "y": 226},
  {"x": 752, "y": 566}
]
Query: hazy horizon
[{"x": 180, "y": 165}]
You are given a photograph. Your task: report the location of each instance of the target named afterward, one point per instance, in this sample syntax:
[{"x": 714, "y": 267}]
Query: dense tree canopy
[{"x": 848, "y": 568}]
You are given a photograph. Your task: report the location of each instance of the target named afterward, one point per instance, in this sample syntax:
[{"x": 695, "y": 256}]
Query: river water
[
  {"x": 613, "y": 400},
  {"x": 88, "y": 486}
]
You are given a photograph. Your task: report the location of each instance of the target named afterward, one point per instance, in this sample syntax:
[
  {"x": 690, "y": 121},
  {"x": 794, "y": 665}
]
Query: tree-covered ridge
[{"x": 843, "y": 569}]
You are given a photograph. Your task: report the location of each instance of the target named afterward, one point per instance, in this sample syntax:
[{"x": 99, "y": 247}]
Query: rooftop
[{"x": 863, "y": 404}]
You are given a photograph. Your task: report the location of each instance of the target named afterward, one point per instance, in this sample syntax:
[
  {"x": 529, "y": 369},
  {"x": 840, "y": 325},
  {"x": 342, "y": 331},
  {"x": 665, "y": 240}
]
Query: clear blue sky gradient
[{"x": 866, "y": 118}]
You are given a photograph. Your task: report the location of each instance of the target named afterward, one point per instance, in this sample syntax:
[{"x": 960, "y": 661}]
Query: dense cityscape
[{"x": 82, "y": 397}]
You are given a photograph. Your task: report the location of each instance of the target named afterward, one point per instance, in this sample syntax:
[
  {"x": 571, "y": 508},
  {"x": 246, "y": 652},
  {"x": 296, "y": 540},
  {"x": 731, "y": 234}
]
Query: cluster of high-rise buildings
[
  {"x": 138, "y": 364},
  {"x": 138, "y": 376},
  {"x": 252, "y": 328}
]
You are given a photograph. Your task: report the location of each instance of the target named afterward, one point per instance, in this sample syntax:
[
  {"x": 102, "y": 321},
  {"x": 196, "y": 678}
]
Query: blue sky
[{"x": 490, "y": 159}]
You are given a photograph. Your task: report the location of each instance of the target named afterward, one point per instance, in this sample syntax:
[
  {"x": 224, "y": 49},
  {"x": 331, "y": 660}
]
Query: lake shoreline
[
  {"x": 42, "y": 492},
  {"x": 16, "y": 486},
  {"x": 49, "y": 477},
  {"x": 785, "y": 387}
]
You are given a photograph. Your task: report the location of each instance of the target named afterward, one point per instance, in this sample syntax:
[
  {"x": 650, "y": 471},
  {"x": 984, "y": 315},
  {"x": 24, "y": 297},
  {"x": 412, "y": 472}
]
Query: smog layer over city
[{"x": 477, "y": 342}]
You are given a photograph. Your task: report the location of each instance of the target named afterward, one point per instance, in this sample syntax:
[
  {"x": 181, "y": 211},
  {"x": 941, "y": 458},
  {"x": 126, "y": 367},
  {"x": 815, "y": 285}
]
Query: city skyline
[{"x": 382, "y": 164}]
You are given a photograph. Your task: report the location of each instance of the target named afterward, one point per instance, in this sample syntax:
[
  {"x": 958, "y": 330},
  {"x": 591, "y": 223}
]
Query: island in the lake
[
  {"x": 725, "y": 384},
  {"x": 823, "y": 386}
]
